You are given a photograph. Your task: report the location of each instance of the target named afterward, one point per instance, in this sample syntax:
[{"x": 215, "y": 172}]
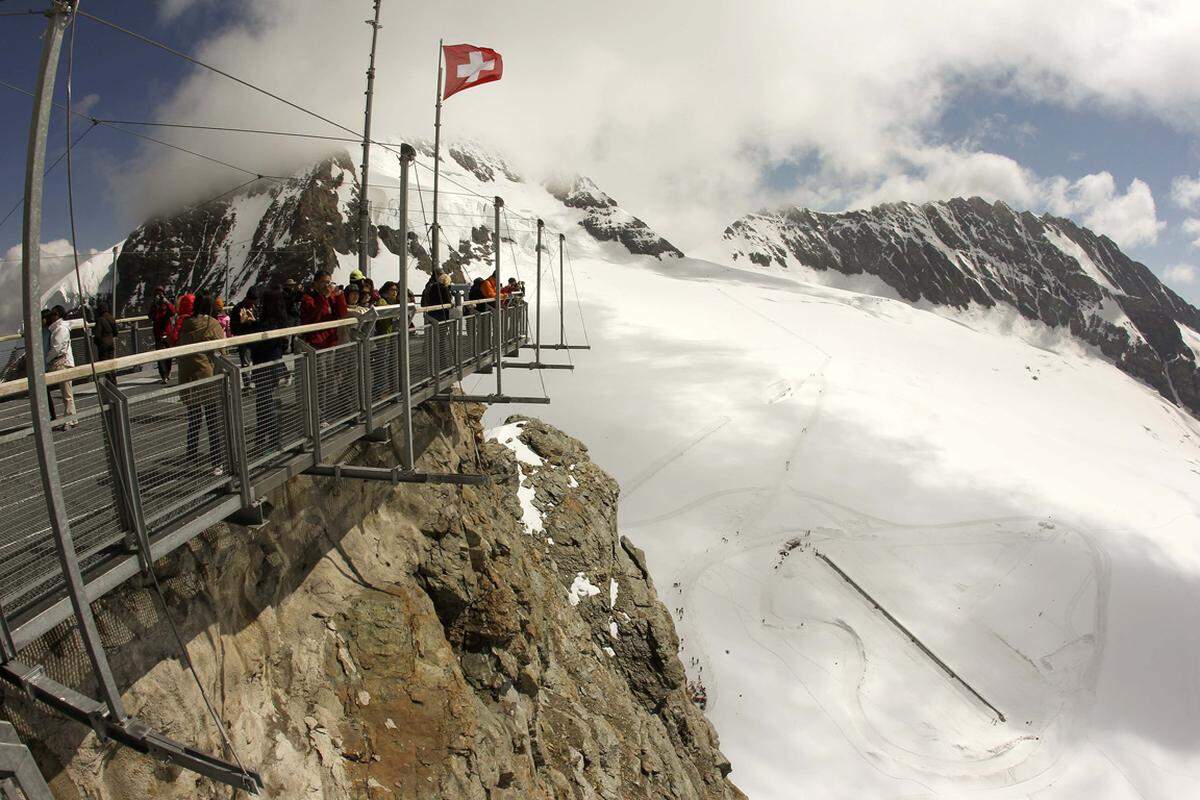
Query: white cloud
[
  {"x": 1191, "y": 226},
  {"x": 85, "y": 104},
  {"x": 57, "y": 262},
  {"x": 1129, "y": 219},
  {"x": 680, "y": 132},
  {"x": 1185, "y": 192},
  {"x": 1180, "y": 273}
]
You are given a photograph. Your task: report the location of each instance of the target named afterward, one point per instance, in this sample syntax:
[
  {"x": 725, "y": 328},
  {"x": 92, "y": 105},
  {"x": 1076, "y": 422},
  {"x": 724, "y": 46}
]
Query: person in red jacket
[
  {"x": 183, "y": 310},
  {"x": 321, "y": 304}
]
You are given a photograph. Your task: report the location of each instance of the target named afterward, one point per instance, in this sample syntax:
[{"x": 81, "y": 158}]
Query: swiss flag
[{"x": 468, "y": 65}]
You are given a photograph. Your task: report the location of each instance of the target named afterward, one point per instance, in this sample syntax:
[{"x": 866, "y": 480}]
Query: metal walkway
[{"x": 147, "y": 471}]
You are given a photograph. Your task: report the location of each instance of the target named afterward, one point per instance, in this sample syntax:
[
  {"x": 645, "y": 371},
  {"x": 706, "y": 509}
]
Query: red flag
[{"x": 468, "y": 65}]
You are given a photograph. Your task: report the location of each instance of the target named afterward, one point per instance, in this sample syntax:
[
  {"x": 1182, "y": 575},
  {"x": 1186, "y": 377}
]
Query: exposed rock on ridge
[
  {"x": 409, "y": 643},
  {"x": 966, "y": 251},
  {"x": 608, "y": 222}
]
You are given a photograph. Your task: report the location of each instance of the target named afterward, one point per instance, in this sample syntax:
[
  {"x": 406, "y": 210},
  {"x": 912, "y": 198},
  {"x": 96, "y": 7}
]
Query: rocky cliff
[
  {"x": 965, "y": 252},
  {"x": 421, "y": 642},
  {"x": 280, "y": 228}
]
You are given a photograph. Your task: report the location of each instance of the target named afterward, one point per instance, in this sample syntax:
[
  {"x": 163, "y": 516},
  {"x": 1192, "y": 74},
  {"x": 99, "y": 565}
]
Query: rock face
[
  {"x": 422, "y": 642},
  {"x": 608, "y": 222},
  {"x": 276, "y": 229},
  {"x": 968, "y": 251}
]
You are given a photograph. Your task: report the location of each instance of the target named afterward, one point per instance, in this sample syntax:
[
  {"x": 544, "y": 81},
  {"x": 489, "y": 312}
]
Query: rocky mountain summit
[
  {"x": 280, "y": 229},
  {"x": 969, "y": 252},
  {"x": 500, "y": 642},
  {"x": 608, "y": 222}
]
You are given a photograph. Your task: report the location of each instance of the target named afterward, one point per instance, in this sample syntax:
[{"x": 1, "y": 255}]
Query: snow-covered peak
[{"x": 968, "y": 252}]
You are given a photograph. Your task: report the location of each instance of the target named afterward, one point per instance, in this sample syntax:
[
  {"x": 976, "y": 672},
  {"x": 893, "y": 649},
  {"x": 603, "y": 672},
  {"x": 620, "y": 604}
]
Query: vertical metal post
[
  {"x": 562, "y": 294},
  {"x": 537, "y": 347},
  {"x": 116, "y": 310},
  {"x": 309, "y": 397},
  {"x": 407, "y": 154},
  {"x": 364, "y": 220},
  {"x": 434, "y": 263},
  {"x": 121, "y": 463},
  {"x": 43, "y": 438},
  {"x": 497, "y": 342},
  {"x": 456, "y": 314},
  {"x": 235, "y": 433},
  {"x": 366, "y": 379}
]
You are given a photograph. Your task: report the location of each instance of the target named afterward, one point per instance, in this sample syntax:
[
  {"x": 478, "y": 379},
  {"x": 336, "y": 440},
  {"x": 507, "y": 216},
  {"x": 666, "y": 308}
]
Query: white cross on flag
[{"x": 468, "y": 65}]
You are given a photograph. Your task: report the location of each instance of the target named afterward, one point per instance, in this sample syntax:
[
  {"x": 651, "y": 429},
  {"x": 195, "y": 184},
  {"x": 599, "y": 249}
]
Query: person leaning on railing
[
  {"x": 59, "y": 356},
  {"x": 202, "y": 404},
  {"x": 321, "y": 304},
  {"x": 389, "y": 295}
]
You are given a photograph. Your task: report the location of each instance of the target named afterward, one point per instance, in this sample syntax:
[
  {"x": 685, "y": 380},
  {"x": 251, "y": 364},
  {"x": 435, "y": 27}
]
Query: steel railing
[{"x": 155, "y": 468}]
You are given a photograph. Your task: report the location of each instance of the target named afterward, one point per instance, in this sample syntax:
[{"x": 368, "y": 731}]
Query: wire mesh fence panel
[
  {"x": 272, "y": 409},
  {"x": 385, "y": 368},
  {"x": 466, "y": 337},
  {"x": 125, "y": 343},
  {"x": 88, "y": 483},
  {"x": 337, "y": 384},
  {"x": 29, "y": 562},
  {"x": 443, "y": 331},
  {"x": 180, "y": 446},
  {"x": 145, "y": 338},
  {"x": 418, "y": 357},
  {"x": 27, "y": 552}
]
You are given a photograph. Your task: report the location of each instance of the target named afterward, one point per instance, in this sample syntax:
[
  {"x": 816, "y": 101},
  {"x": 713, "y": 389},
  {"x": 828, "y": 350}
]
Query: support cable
[
  {"x": 103, "y": 418},
  {"x": 98, "y": 121},
  {"x": 21, "y": 200},
  {"x": 578, "y": 304},
  {"x": 221, "y": 72}
]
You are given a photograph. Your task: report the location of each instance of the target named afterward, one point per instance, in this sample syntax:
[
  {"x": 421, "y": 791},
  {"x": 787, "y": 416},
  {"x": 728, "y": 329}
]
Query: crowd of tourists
[{"x": 198, "y": 317}]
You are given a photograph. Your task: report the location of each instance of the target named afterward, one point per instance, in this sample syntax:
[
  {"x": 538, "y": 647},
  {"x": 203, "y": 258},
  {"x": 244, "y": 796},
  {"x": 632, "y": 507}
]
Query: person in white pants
[{"x": 59, "y": 356}]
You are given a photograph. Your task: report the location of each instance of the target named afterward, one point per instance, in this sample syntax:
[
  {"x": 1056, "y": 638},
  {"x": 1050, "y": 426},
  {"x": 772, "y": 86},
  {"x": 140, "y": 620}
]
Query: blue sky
[{"x": 1080, "y": 108}]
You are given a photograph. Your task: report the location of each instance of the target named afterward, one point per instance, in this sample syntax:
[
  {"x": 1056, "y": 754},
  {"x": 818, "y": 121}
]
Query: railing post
[
  {"x": 497, "y": 345},
  {"x": 123, "y": 464},
  {"x": 407, "y": 154},
  {"x": 537, "y": 348},
  {"x": 235, "y": 426},
  {"x": 366, "y": 381},
  {"x": 309, "y": 398},
  {"x": 456, "y": 327}
]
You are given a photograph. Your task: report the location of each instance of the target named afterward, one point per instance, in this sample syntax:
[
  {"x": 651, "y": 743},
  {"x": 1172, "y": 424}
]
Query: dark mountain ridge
[{"x": 968, "y": 251}]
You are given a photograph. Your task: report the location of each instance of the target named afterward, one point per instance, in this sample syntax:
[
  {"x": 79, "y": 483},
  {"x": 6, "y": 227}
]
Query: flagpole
[
  {"x": 434, "y": 263},
  {"x": 364, "y": 219}
]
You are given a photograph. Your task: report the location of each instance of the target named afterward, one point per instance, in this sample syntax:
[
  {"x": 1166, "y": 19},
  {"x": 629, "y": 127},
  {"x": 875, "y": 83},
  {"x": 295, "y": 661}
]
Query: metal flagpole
[
  {"x": 364, "y": 220},
  {"x": 499, "y": 329},
  {"x": 562, "y": 293},
  {"x": 537, "y": 342},
  {"x": 407, "y": 154},
  {"x": 35, "y": 359},
  {"x": 435, "y": 264}
]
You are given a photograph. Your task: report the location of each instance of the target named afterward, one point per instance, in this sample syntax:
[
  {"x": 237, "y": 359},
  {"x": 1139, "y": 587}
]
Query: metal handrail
[{"x": 20, "y": 386}]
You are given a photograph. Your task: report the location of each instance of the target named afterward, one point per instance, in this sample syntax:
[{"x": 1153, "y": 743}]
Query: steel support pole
[
  {"x": 537, "y": 342},
  {"x": 407, "y": 154},
  {"x": 498, "y": 337},
  {"x": 435, "y": 232},
  {"x": 310, "y": 397},
  {"x": 364, "y": 219},
  {"x": 116, "y": 311},
  {"x": 235, "y": 431},
  {"x": 32, "y": 297},
  {"x": 562, "y": 295}
]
